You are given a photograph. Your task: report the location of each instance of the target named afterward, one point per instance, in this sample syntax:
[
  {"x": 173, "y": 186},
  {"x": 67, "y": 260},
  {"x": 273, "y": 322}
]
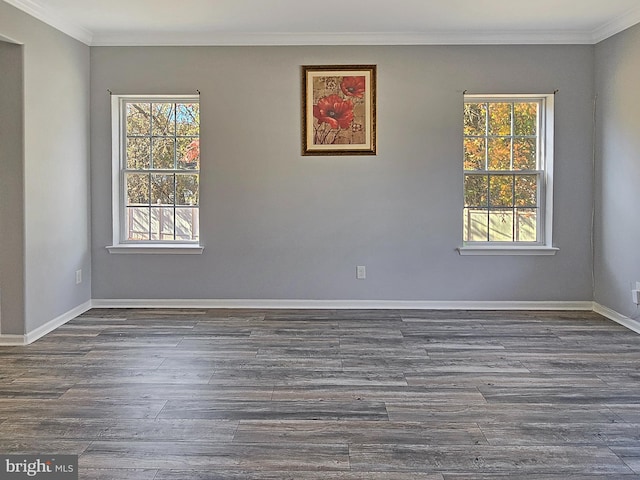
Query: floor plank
[{"x": 211, "y": 394}]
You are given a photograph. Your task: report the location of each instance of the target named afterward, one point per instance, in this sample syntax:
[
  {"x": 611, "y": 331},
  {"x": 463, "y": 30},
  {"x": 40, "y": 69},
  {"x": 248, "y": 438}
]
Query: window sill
[
  {"x": 507, "y": 250},
  {"x": 156, "y": 248}
]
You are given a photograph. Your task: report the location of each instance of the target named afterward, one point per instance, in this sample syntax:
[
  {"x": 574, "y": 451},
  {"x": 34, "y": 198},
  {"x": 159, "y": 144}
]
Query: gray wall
[
  {"x": 11, "y": 184},
  {"x": 277, "y": 225},
  {"x": 617, "y": 229},
  {"x": 55, "y": 166}
]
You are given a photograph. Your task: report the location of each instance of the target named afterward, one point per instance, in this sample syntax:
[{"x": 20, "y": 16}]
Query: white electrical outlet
[
  {"x": 635, "y": 295},
  {"x": 361, "y": 272},
  {"x": 78, "y": 277}
]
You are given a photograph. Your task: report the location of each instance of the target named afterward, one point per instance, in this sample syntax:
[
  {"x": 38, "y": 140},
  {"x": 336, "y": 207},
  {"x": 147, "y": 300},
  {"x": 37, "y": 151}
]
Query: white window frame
[
  {"x": 544, "y": 245},
  {"x": 118, "y": 156}
]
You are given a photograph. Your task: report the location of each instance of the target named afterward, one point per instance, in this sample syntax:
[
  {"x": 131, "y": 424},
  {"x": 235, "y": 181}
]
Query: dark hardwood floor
[{"x": 326, "y": 395}]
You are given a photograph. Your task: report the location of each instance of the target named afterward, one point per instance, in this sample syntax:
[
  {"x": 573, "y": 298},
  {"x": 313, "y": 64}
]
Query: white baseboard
[
  {"x": 16, "y": 340},
  {"x": 630, "y": 323},
  {"x": 11, "y": 340},
  {"x": 339, "y": 304},
  {"x": 32, "y": 336}
]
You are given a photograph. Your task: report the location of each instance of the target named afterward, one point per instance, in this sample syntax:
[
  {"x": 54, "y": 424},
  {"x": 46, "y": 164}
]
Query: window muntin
[
  {"x": 159, "y": 170},
  {"x": 506, "y": 170}
]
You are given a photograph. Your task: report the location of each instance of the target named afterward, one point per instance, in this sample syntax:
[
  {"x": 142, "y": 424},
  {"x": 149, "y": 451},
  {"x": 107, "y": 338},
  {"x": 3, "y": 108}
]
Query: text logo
[{"x": 49, "y": 467}]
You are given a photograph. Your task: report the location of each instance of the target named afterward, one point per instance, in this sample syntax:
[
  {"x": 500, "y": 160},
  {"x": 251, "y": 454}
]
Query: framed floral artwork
[{"x": 339, "y": 110}]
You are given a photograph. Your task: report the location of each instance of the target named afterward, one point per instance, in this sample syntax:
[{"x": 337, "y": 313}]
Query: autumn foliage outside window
[
  {"x": 161, "y": 170},
  {"x": 503, "y": 170}
]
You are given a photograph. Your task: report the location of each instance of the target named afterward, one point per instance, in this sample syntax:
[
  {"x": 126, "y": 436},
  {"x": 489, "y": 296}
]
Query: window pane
[
  {"x": 160, "y": 140},
  {"x": 138, "y": 118},
  {"x": 525, "y": 118},
  {"x": 474, "y": 153},
  {"x": 162, "y": 189},
  {"x": 499, "y": 154},
  {"x": 188, "y": 119},
  {"x": 501, "y": 225},
  {"x": 188, "y": 153},
  {"x": 137, "y": 188},
  {"x": 187, "y": 228},
  {"x": 137, "y": 223},
  {"x": 187, "y": 190},
  {"x": 162, "y": 223},
  {"x": 476, "y": 189},
  {"x": 501, "y": 191},
  {"x": 500, "y": 119},
  {"x": 163, "y": 119},
  {"x": 526, "y": 224},
  {"x": 138, "y": 150},
  {"x": 476, "y": 225},
  {"x": 524, "y": 154},
  {"x": 475, "y": 119},
  {"x": 163, "y": 153},
  {"x": 526, "y": 188},
  {"x": 502, "y": 144}
]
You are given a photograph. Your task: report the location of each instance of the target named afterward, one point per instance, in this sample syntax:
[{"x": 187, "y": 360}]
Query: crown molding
[
  {"x": 326, "y": 38},
  {"x": 52, "y": 19},
  {"x": 617, "y": 25},
  {"x": 189, "y": 38}
]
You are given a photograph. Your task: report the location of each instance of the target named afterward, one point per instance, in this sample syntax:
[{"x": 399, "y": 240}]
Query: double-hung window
[
  {"x": 156, "y": 174},
  {"x": 508, "y": 173}
]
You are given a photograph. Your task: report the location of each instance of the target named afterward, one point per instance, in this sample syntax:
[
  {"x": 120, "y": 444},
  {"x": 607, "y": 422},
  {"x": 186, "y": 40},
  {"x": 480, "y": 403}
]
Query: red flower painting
[
  {"x": 353, "y": 86},
  {"x": 334, "y": 110},
  {"x": 339, "y": 110}
]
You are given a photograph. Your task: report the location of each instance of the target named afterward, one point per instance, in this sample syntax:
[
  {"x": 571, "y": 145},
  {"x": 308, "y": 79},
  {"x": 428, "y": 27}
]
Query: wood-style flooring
[{"x": 328, "y": 394}]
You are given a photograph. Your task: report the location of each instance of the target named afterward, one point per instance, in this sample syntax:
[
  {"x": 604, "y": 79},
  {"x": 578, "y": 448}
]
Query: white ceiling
[{"x": 335, "y": 22}]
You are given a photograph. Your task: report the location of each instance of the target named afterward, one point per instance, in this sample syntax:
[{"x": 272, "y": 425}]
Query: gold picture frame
[{"x": 339, "y": 110}]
